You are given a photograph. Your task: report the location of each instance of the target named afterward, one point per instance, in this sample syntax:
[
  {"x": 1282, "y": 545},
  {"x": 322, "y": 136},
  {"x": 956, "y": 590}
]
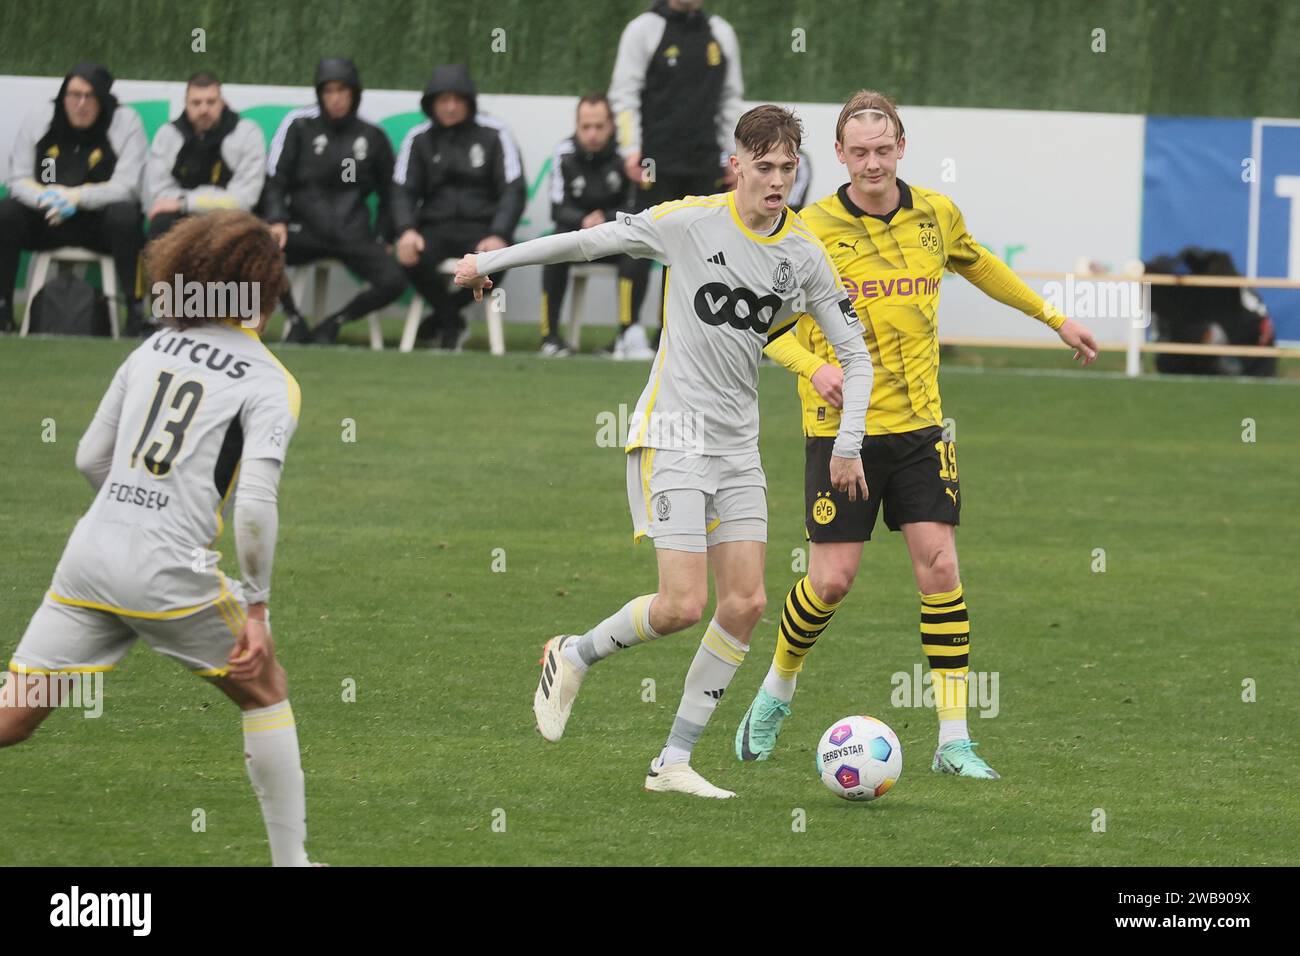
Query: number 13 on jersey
[{"x": 181, "y": 404}]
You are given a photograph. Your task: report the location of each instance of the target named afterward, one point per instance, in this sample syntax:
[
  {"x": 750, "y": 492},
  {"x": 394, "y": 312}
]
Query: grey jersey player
[
  {"x": 742, "y": 267},
  {"x": 200, "y": 411}
]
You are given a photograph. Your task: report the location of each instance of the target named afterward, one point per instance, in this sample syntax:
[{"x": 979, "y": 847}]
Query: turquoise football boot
[
  {"x": 757, "y": 733},
  {"x": 958, "y": 756}
]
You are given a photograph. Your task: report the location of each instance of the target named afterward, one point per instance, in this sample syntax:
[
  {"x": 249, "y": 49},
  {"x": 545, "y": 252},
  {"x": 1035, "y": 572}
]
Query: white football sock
[
  {"x": 950, "y": 730},
  {"x": 715, "y": 664},
  {"x": 778, "y": 686},
  {"x": 628, "y": 626},
  {"x": 274, "y": 767}
]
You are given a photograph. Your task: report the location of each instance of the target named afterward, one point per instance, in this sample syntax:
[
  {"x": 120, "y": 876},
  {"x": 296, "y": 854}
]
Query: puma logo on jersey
[
  {"x": 951, "y": 494},
  {"x": 853, "y": 246}
]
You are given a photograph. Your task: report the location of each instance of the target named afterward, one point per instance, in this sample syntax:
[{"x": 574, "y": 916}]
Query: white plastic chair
[
  {"x": 39, "y": 270},
  {"x": 578, "y": 276},
  {"x": 496, "y": 329},
  {"x": 318, "y": 274}
]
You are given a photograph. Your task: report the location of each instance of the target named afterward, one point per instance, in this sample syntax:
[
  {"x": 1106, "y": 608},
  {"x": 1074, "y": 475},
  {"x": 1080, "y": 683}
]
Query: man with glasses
[{"x": 74, "y": 180}]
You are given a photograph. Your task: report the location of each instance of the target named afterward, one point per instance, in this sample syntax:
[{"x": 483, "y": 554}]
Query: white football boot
[
  {"x": 681, "y": 778},
  {"x": 557, "y": 688}
]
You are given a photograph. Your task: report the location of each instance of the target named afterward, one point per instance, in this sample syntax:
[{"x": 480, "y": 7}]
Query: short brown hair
[
  {"x": 202, "y": 79},
  {"x": 869, "y": 100},
  {"x": 765, "y": 127},
  {"x": 596, "y": 99},
  {"x": 217, "y": 247}
]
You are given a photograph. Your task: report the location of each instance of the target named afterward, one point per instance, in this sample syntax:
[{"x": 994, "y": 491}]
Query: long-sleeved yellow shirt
[{"x": 891, "y": 271}]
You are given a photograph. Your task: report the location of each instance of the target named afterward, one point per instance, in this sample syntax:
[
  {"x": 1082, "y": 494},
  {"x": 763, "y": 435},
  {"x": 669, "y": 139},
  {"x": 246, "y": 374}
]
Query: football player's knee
[
  {"x": 744, "y": 610},
  {"x": 832, "y": 585},
  {"x": 941, "y": 570},
  {"x": 678, "y": 611}
]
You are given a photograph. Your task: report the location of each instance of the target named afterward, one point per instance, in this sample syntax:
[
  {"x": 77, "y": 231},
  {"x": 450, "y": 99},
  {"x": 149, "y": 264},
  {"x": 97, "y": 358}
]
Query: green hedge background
[{"x": 1197, "y": 57}]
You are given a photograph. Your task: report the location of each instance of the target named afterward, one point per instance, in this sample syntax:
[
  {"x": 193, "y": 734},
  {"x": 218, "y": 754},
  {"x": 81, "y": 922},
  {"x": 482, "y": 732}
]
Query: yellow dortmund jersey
[{"x": 891, "y": 268}]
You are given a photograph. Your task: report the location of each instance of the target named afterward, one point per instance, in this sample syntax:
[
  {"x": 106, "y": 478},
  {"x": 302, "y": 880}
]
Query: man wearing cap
[
  {"x": 74, "y": 180},
  {"x": 324, "y": 162}
]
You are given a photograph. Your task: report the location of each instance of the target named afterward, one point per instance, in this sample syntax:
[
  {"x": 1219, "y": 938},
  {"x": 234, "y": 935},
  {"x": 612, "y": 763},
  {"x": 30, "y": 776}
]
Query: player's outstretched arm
[
  {"x": 634, "y": 235},
  {"x": 995, "y": 279}
]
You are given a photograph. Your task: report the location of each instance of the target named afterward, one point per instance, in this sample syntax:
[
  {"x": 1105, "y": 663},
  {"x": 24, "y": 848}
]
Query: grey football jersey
[
  {"x": 187, "y": 406},
  {"x": 729, "y": 292}
]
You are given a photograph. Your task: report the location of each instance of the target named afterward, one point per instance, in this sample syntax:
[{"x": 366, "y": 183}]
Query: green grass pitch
[{"x": 1119, "y": 691}]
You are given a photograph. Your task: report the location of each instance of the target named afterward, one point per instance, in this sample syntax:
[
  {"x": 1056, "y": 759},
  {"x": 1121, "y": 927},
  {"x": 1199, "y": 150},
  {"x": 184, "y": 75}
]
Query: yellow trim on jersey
[
  {"x": 295, "y": 393},
  {"x": 211, "y": 672},
  {"x": 801, "y": 229},
  {"x": 647, "y": 456},
  {"x": 624, "y": 302},
  {"x": 689, "y": 202},
  {"x": 80, "y": 669},
  {"x": 232, "y": 614},
  {"x": 766, "y": 240},
  {"x": 663, "y": 360},
  {"x": 225, "y": 616},
  {"x": 221, "y": 521},
  {"x": 144, "y": 615},
  {"x": 712, "y": 525}
]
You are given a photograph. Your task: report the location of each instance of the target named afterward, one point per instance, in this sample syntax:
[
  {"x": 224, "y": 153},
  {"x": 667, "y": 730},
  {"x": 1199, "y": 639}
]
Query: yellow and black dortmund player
[{"x": 891, "y": 243}]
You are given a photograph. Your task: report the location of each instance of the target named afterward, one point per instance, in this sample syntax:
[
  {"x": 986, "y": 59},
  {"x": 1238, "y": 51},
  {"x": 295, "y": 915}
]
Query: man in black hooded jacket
[
  {"x": 459, "y": 188},
  {"x": 74, "y": 180},
  {"x": 323, "y": 164}
]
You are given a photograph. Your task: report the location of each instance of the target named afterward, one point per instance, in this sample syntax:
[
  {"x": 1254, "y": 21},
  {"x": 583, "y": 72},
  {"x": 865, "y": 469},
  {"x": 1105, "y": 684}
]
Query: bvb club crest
[
  {"x": 930, "y": 238},
  {"x": 824, "y": 509}
]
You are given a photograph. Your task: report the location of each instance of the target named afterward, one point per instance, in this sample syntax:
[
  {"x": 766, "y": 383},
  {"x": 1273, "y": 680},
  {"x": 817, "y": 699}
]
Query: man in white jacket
[
  {"x": 207, "y": 158},
  {"x": 74, "y": 180}
]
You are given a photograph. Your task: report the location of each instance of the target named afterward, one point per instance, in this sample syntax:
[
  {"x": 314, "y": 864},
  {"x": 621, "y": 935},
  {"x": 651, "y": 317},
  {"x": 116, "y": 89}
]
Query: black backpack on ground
[
  {"x": 67, "y": 305},
  {"x": 1206, "y": 314}
]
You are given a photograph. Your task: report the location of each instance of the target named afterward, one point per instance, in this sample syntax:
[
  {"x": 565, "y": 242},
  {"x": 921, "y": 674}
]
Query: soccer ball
[{"x": 859, "y": 758}]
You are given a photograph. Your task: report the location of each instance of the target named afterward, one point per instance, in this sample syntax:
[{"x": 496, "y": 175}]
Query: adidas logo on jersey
[
  {"x": 716, "y": 694},
  {"x": 717, "y": 258}
]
